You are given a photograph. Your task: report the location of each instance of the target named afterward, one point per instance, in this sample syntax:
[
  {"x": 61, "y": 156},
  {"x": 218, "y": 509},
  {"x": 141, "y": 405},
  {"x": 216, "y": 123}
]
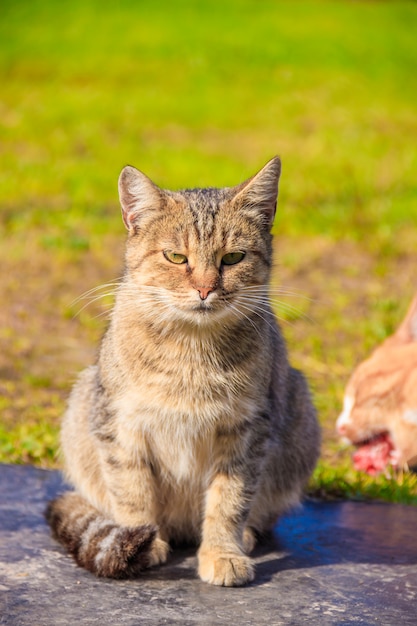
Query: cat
[
  {"x": 192, "y": 427},
  {"x": 380, "y": 403}
]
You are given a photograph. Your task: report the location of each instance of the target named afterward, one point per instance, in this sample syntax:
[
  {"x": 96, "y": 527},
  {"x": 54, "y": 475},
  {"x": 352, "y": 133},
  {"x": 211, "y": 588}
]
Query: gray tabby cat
[{"x": 192, "y": 426}]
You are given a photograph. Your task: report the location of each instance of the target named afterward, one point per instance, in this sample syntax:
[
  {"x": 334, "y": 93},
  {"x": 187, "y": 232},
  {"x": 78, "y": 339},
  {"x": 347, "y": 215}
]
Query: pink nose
[
  {"x": 204, "y": 292},
  {"x": 341, "y": 429}
]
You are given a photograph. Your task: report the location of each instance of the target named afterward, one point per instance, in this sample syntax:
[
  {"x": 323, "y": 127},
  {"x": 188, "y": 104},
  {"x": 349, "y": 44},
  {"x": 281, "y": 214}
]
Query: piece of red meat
[{"x": 374, "y": 456}]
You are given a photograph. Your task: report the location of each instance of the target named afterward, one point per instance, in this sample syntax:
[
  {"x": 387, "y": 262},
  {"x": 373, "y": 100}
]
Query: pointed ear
[
  {"x": 260, "y": 193},
  {"x": 138, "y": 196},
  {"x": 407, "y": 332}
]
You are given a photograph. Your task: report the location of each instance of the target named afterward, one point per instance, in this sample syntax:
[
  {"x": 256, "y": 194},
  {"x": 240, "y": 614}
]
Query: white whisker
[
  {"x": 257, "y": 311},
  {"x": 240, "y": 313},
  {"x": 96, "y": 299},
  {"x": 92, "y": 291},
  {"x": 265, "y": 288},
  {"x": 276, "y": 303}
]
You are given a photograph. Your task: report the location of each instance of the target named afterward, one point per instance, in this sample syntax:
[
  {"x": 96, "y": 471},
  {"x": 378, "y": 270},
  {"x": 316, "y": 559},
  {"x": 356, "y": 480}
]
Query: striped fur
[
  {"x": 96, "y": 542},
  {"x": 192, "y": 422}
]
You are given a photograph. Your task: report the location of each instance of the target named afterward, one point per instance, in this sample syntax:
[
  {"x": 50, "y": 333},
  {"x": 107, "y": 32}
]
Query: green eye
[
  {"x": 232, "y": 258},
  {"x": 173, "y": 257}
]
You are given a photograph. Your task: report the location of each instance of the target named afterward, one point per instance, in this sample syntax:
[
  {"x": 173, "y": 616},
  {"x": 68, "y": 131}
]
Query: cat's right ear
[{"x": 138, "y": 196}]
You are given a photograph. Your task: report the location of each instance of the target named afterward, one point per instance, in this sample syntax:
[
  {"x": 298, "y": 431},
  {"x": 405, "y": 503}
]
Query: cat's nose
[
  {"x": 341, "y": 429},
  {"x": 204, "y": 292},
  {"x": 342, "y": 424}
]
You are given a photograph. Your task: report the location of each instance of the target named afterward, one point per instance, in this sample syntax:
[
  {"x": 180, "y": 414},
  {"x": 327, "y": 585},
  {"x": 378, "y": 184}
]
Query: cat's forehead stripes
[
  {"x": 203, "y": 205},
  {"x": 208, "y": 198}
]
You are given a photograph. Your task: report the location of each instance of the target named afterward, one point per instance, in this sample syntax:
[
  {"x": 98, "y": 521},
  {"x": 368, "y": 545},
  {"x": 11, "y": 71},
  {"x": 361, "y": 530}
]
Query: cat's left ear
[
  {"x": 138, "y": 196},
  {"x": 260, "y": 193},
  {"x": 407, "y": 331}
]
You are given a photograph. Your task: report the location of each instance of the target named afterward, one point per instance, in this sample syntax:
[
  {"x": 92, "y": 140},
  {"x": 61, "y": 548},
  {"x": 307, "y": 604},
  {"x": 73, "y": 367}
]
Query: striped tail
[{"x": 96, "y": 542}]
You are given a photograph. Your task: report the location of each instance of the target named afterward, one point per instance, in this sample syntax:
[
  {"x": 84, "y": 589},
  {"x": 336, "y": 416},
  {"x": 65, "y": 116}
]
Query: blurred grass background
[{"x": 204, "y": 93}]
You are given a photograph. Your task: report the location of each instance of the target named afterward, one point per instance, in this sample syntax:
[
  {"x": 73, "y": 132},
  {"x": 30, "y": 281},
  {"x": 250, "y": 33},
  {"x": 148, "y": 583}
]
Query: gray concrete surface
[{"x": 342, "y": 563}]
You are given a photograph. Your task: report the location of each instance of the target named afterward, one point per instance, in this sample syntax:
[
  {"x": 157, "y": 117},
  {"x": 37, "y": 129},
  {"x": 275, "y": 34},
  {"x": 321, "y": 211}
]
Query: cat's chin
[{"x": 205, "y": 315}]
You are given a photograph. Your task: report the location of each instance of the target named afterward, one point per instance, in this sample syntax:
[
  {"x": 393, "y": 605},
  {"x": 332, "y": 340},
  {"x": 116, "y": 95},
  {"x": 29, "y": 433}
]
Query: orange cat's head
[{"x": 380, "y": 404}]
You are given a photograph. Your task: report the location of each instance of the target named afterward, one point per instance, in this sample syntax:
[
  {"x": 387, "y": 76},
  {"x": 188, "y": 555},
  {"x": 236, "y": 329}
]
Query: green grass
[
  {"x": 203, "y": 93},
  {"x": 34, "y": 442},
  {"x": 343, "y": 483}
]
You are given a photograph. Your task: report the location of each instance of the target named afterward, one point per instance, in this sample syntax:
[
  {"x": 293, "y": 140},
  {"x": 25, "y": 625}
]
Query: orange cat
[{"x": 380, "y": 405}]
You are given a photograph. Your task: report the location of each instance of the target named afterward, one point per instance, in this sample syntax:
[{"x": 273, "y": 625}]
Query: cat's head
[
  {"x": 380, "y": 403},
  {"x": 199, "y": 254}
]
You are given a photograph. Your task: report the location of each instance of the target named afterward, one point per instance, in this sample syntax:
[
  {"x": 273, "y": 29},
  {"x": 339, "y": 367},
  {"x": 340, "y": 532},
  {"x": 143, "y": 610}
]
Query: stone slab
[{"x": 327, "y": 563}]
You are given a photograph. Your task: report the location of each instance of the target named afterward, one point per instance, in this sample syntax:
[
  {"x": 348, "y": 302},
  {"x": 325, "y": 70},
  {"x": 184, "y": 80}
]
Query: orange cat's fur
[
  {"x": 381, "y": 396},
  {"x": 192, "y": 426}
]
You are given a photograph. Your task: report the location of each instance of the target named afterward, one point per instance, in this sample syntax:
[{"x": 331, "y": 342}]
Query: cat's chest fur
[
  {"x": 190, "y": 382},
  {"x": 185, "y": 378},
  {"x": 172, "y": 397}
]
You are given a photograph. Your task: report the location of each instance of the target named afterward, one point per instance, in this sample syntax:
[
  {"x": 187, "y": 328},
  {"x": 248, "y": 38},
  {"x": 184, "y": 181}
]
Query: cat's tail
[{"x": 96, "y": 542}]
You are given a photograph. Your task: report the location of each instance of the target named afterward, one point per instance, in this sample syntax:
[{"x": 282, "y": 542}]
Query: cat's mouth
[
  {"x": 375, "y": 454},
  {"x": 203, "y": 307}
]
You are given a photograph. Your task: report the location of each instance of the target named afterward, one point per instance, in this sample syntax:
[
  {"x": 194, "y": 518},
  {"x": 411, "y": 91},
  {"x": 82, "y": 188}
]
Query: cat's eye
[
  {"x": 231, "y": 258},
  {"x": 174, "y": 257}
]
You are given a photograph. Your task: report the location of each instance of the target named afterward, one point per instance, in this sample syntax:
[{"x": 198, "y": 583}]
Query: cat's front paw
[
  {"x": 228, "y": 570},
  {"x": 159, "y": 552}
]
